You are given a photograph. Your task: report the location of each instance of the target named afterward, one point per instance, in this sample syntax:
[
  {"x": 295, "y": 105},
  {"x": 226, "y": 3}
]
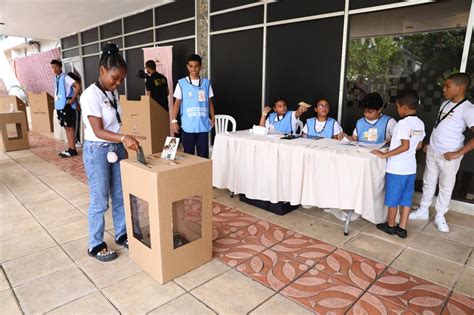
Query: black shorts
[{"x": 67, "y": 117}]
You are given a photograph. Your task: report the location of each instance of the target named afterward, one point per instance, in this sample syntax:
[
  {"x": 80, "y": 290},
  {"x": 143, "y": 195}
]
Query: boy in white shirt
[
  {"x": 400, "y": 174},
  {"x": 446, "y": 149},
  {"x": 374, "y": 127}
]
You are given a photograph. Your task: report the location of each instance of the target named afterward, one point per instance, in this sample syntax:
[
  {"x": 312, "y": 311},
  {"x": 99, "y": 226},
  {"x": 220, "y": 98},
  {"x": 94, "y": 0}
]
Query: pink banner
[{"x": 163, "y": 56}]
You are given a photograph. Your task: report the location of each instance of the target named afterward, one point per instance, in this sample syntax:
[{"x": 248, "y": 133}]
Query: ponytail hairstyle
[{"x": 111, "y": 57}]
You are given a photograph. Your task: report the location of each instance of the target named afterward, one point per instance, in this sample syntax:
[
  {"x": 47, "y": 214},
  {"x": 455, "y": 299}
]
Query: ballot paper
[
  {"x": 304, "y": 104},
  {"x": 373, "y": 146}
]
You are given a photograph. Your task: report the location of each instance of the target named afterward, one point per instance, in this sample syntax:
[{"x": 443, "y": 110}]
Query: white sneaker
[
  {"x": 419, "y": 214},
  {"x": 440, "y": 223}
]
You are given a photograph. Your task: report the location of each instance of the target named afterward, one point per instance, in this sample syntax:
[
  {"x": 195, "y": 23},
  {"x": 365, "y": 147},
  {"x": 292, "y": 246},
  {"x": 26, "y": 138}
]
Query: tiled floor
[{"x": 263, "y": 264}]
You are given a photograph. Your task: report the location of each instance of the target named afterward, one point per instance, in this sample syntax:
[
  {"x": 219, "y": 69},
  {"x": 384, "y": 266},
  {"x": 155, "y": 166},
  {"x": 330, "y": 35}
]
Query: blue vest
[
  {"x": 283, "y": 125},
  {"x": 195, "y": 106},
  {"x": 61, "y": 93},
  {"x": 380, "y": 125},
  {"x": 327, "y": 132}
]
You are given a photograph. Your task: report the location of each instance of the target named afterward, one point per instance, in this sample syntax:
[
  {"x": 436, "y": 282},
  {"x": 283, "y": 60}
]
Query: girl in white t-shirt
[
  {"x": 322, "y": 125},
  {"x": 104, "y": 147}
]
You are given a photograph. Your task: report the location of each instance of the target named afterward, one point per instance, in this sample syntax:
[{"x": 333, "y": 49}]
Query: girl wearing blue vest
[
  {"x": 322, "y": 125},
  {"x": 104, "y": 148},
  {"x": 281, "y": 120},
  {"x": 374, "y": 127},
  {"x": 65, "y": 95},
  {"x": 194, "y": 102}
]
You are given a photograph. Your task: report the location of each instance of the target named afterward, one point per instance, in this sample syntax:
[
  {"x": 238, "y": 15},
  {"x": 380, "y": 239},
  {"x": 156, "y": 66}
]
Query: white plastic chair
[
  {"x": 222, "y": 122},
  {"x": 299, "y": 125}
]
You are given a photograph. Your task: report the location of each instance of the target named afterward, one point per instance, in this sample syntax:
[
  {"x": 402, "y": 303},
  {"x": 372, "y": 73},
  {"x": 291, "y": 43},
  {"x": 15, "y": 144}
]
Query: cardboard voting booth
[
  {"x": 13, "y": 132},
  {"x": 11, "y": 103},
  {"x": 168, "y": 209},
  {"x": 41, "y": 107},
  {"x": 147, "y": 121}
]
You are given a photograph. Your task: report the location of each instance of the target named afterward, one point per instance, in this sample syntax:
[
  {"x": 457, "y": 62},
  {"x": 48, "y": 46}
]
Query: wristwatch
[{"x": 174, "y": 121}]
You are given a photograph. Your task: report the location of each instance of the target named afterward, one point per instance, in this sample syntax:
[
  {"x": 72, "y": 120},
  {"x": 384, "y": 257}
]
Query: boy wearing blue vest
[
  {"x": 282, "y": 120},
  {"x": 65, "y": 95},
  {"x": 401, "y": 163},
  {"x": 374, "y": 127},
  {"x": 193, "y": 96},
  {"x": 322, "y": 125}
]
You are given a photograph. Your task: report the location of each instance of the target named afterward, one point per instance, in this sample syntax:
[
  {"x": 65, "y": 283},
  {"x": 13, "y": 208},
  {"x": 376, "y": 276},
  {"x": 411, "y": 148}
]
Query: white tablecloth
[{"x": 309, "y": 172}]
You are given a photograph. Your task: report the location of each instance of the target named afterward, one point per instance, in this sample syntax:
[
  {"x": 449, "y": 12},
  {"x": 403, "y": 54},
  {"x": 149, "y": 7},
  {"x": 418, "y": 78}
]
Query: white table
[{"x": 319, "y": 173}]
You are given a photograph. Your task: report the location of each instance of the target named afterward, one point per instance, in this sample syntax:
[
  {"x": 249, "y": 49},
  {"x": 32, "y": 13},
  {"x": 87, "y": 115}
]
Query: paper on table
[{"x": 362, "y": 144}]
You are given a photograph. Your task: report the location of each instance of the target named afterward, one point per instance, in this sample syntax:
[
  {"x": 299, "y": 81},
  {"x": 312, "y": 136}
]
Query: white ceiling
[{"x": 53, "y": 19}]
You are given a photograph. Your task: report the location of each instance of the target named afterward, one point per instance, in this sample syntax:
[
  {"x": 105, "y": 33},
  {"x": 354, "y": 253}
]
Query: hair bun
[{"x": 110, "y": 48}]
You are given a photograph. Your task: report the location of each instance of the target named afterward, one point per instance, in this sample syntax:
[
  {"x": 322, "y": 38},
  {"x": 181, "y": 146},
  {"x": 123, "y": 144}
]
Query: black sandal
[
  {"x": 102, "y": 253},
  {"x": 387, "y": 228},
  {"x": 122, "y": 240}
]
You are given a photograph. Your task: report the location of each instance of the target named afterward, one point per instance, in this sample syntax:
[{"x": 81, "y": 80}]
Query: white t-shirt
[
  {"x": 179, "y": 95},
  {"x": 409, "y": 128},
  {"x": 294, "y": 120},
  {"x": 68, "y": 82},
  {"x": 448, "y": 135},
  {"x": 320, "y": 125},
  {"x": 95, "y": 103},
  {"x": 388, "y": 133}
]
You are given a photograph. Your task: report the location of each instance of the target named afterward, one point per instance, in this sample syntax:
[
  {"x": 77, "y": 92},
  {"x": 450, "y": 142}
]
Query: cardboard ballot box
[
  {"x": 41, "y": 106},
  {"x": 11, "y": 103},
  {"x": 168, "y": 208},
  {"x": 147, "y": 121},
  {"x": 13, "y": 132}
]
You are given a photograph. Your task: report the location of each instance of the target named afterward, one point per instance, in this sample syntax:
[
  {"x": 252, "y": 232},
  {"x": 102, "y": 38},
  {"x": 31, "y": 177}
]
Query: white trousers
[{"x": 437, "y": 167}]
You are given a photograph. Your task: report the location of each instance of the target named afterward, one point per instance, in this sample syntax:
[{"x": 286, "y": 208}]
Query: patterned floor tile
[
  {"x": 272, "y": 269},
  {"x": 218, "y": 208},
  {"x": 322, "y": 293},
  {"x": 351, "y": 268},
  {"x": 408, "y": 291},
  {"x": 265, "y": 233},
  {"x": 304, "y": 249},
  {"x": 459, "y": 304},
  {"x": 48, "y": 149},
  {"x": 234, "y": 251},
  {"x": 228, "y": 223},
  {"x": 370, "y": 304}
]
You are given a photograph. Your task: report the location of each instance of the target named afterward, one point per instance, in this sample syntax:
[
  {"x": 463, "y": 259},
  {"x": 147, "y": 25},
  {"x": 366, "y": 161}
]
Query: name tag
[
  {"x": 371, "y": 134},
  {"x": 201, "y": 96}
]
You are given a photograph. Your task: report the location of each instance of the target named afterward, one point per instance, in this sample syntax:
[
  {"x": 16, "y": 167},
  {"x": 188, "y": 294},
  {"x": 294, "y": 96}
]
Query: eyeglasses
[{"x": 323, "y": 106}]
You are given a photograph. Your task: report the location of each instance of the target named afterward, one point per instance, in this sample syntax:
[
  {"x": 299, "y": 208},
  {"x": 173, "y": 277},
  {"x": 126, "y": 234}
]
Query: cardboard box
[
  {"x": 10, "y": 103},
  {"x": 13, "y": 132},
  {"x": 147, "y": 121},
  {"x": 41, "y": 107},
  {"x": 168, "y": 209}
]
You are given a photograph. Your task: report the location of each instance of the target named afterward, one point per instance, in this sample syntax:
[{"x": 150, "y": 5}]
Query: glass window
[
  {"x": 414, "y": 47},
  {"x": 187, "y": 221},
  {"x": 140, "y": 220},
  {"x": 14, "y": 131}
]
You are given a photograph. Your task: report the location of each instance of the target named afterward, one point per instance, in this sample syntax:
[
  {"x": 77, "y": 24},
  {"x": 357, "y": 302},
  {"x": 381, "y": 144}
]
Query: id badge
[
  {"x": 201, "y": 96},
  {"x": 372, "y": 134}
]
